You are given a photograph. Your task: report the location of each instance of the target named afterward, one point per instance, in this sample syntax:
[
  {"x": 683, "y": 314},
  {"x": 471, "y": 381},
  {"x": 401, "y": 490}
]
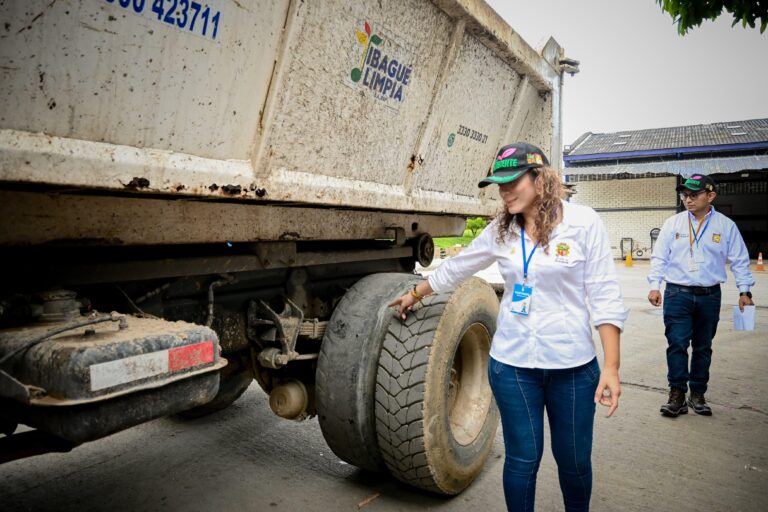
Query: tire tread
[{"x": 401, "y": 381}]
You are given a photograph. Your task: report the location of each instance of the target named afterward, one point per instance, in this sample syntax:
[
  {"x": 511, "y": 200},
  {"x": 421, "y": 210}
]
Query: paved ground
[{"x": 247, "y": 459}]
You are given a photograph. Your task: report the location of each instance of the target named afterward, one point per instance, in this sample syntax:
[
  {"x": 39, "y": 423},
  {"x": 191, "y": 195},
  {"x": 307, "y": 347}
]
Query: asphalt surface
[{"x": 245, "y": 458}]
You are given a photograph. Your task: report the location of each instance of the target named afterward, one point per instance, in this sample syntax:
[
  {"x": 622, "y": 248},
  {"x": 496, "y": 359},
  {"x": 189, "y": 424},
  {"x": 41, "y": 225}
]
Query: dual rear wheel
[{"x": 412, "y": 396}]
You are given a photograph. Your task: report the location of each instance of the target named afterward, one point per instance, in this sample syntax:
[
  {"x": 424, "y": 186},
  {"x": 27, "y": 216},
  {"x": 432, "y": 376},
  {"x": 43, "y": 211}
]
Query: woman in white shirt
[{"x": 556, "y": 262}]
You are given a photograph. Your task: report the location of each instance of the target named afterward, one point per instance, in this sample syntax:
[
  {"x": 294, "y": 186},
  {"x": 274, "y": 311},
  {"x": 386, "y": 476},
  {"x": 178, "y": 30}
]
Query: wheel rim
[{"x": 469, "y": 395}]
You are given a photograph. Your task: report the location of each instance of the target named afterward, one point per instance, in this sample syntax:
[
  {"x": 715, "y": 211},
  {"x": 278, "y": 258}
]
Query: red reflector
[{"x": 189, "y": 356}]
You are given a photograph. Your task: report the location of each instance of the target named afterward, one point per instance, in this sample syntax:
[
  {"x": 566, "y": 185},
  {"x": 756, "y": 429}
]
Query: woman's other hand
[{"x": 608, "y": 390}]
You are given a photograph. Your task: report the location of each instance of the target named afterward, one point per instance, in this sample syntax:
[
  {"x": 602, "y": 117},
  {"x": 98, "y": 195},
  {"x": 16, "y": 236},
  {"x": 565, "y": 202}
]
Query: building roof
[
  {"x": 684, "y": 167},
  {"x": 701, "y": 138}
]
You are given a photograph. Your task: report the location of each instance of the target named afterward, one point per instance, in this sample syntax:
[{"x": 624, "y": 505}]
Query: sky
[{"x": 637, "y": 72}]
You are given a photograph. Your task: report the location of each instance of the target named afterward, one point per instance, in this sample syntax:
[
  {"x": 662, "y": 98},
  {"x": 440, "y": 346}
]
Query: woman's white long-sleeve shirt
[{"x": 578, "y": 271}]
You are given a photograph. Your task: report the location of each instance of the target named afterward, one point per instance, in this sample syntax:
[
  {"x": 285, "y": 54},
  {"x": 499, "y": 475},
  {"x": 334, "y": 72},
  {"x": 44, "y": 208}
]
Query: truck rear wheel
[
  {"x": 347, "y": 365},
  {"x": 435, "y": 414}
]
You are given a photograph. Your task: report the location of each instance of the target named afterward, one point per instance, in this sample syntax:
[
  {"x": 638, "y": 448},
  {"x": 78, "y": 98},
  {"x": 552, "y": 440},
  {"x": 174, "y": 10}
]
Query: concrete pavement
[{"x": 691, "y": 462}]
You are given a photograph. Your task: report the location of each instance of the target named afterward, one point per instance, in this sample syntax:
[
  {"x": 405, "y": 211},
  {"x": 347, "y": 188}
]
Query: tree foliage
[
  {"x": 691, "y": 13},
  {"x": 475, "y": 225}
]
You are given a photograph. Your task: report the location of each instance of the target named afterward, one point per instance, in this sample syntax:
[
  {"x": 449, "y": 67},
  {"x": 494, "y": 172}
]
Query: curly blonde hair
[{"x": 549, "y": 192}]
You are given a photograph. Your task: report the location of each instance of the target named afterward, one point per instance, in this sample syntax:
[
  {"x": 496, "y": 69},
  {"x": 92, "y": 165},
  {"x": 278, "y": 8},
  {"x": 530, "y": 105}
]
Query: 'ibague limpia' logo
[
  {"x": 563, "y": 250},
  {"x": 382, "y": 73}
]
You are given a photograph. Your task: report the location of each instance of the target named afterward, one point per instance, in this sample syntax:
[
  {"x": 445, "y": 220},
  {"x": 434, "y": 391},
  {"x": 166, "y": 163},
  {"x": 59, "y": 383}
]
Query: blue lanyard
[
  {"x": 526, "y": 261},
  {"x": 693, "y": 231}
]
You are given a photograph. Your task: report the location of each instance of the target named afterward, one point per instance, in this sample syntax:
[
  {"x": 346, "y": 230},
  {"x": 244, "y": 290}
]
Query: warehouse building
[{"x": 629, "y": 177}]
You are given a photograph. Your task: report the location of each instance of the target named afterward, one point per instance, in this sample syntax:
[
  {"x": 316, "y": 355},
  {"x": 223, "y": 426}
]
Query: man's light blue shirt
[{"x": 719, "y": 242}]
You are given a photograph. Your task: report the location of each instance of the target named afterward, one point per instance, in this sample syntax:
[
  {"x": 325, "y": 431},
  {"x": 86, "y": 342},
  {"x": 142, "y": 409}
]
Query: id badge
[
  {"x": 521, "y": 299},
  {"x": 698, "y": 256},
  {"x": 693, "y": 265}
]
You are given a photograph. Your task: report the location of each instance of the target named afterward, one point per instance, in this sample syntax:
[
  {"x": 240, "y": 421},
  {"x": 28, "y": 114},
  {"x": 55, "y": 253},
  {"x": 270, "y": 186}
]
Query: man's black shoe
[
  {"x": 699, "y": 404},
  {"x": 676, "y": 404}
]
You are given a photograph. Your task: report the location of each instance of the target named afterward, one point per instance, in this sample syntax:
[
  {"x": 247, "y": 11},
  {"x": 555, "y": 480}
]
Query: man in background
[{"x": 690, "y": 255}]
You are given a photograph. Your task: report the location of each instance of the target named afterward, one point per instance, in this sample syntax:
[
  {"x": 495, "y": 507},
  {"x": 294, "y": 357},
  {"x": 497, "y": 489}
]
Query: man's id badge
[
  {"x": 521, "y": 299},
  {"x": 693, "y": 265},
  {"x": 698, "y": 255}
]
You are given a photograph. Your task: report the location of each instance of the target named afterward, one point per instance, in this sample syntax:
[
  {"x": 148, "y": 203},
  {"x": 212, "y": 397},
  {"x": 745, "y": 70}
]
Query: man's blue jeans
[
  {"x": 522, "y": 394},
  {"x": 690, "y": 319}
]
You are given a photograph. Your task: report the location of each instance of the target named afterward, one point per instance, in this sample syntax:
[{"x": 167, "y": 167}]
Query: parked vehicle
[{"x": 196, "y": 195}]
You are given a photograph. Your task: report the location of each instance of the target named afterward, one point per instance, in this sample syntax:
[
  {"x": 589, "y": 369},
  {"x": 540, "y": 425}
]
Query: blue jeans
[
  {"x": 568, "y": 395},
  {"x": 690, "y": 320}
]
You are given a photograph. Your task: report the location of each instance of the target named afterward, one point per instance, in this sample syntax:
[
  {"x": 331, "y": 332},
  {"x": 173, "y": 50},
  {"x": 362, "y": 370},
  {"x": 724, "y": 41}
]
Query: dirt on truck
[{"x": 198, "y": 195}]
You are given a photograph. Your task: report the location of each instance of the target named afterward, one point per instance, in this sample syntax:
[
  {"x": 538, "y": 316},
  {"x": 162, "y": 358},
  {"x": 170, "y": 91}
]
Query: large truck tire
[
  {"x": 234, "y": 379},
  {"x": 347, "y": 366},
  {"x": 435, "y": 414}
]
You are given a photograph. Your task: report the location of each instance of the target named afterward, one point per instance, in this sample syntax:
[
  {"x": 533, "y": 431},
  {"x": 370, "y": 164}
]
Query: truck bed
[{"x": 395, "y": 106}]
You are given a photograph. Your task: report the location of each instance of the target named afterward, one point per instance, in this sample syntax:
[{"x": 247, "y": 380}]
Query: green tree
[
  {"x": 475, "y": 225},
  {"x": 691, "y": 13}
]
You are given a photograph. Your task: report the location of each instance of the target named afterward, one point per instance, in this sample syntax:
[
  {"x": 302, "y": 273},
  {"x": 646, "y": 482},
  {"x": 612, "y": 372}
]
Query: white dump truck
[{"x": 198, "y": 194}]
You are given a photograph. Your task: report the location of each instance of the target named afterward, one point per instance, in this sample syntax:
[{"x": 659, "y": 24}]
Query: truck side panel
[
  {"x": 95, "y": 71},
  {"x": 391, "y": 105}
]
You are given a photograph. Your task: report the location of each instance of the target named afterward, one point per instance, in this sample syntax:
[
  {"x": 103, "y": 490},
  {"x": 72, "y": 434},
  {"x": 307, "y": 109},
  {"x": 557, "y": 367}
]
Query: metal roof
[
  {"x": 700, "y": 136},
  {"x": 683, "y": 167}
]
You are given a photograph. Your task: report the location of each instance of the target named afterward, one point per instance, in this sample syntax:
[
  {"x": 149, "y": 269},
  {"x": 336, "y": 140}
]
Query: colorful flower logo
[
  {"x": 563, "y": 250},
  {"x": 365, "y": 39}
]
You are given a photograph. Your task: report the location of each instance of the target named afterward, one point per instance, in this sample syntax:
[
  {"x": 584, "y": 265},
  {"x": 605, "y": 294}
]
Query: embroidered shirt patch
[
  {"x": 562, "y": 250},
  {"x": 716, "y": 237}
]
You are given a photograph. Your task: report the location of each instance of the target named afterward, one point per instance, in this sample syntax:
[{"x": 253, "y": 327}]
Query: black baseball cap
[
  {"x": 513, "y": 161},
  {"x": 698, "y": 183}
]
